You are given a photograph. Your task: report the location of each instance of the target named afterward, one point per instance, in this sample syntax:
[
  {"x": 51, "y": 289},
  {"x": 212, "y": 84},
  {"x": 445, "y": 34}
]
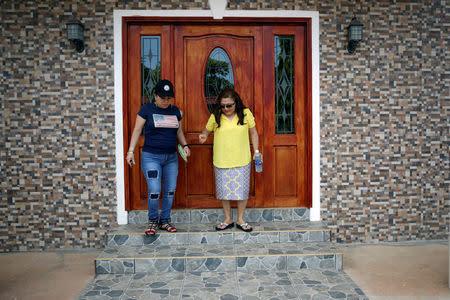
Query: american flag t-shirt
[{"x": 165, "y": 121}]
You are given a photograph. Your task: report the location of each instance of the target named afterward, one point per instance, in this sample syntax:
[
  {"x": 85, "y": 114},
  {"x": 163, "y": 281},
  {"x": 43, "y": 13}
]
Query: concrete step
[
  {"x": 216, "y": 215},
  {"x": 218, "y": 258},
  {"x": 205, "y": 233}
]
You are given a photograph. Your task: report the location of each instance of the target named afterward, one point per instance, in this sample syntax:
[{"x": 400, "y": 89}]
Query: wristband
[{"x": 186, "y": 146}]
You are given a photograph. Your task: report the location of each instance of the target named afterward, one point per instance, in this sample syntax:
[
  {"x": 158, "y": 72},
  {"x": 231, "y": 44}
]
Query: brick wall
[{"x": 384, "y": 120}]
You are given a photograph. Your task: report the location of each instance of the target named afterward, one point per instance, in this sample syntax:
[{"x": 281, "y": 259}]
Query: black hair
[{"x": 239, "y": 105}]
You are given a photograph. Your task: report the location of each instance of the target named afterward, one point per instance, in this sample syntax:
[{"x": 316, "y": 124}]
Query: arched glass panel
[
  {"x": 150, "y": 65},
  {"x": 218, "y": 76}
]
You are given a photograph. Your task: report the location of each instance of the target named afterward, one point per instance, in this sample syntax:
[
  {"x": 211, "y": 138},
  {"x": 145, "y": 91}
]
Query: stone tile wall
[{"x": 384, "y": 120}]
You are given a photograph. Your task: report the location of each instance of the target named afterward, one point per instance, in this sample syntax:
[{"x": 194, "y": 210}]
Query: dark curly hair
[{"x": 239, "y": 106}]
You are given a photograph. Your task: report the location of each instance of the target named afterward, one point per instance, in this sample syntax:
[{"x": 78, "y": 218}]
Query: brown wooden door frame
[{"x": 167, "y": 23}]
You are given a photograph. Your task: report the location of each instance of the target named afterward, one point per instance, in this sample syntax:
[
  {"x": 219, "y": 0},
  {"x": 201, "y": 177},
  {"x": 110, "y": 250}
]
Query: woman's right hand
[
  {"x": 130, "y": 159},
  {"x": 202, "y": 138}
]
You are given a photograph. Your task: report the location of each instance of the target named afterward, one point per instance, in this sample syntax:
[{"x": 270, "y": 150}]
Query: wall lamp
[
  {"x": 75, "y": 35},
  {"x": 354, "y": 35}
]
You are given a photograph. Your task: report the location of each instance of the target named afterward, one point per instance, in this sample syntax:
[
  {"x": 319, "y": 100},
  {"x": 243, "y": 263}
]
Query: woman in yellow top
[{"x": 231, "y": 123}]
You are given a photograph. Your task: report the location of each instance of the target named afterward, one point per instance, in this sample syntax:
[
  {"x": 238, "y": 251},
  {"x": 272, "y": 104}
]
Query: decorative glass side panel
[
  {"x": 150, "y": 65},
  {"x": 284, "y": 84},
  {"x": 218, "y": 76}
]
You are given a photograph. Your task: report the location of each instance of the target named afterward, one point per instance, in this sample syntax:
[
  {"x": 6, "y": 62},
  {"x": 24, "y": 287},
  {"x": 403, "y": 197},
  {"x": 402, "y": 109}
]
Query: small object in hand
[
  {"x": 182, "y": 154},
  {"x": 258, "y": 162}
]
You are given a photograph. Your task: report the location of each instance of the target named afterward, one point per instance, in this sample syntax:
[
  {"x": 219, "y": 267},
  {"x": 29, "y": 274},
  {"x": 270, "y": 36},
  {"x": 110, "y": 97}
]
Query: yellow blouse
[{"x": 231, "y": 141}]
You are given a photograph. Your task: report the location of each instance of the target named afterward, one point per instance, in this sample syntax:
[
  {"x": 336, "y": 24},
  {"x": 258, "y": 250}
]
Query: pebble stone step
[
  {"x": 219, "y": 258},
  {"x": 216, "y": 215},
  {"x": 205, "y": 233},
  {"x": 282, "y": 239},
  {"x": 285, "y": 257}
]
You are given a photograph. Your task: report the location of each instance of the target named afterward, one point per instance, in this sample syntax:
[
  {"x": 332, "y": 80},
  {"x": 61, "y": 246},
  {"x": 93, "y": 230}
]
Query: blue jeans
[{"x": 157, "y": 166}]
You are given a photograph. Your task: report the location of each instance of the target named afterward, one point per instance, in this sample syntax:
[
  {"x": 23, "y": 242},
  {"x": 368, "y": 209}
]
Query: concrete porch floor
[{"x": 414, "y": 270}]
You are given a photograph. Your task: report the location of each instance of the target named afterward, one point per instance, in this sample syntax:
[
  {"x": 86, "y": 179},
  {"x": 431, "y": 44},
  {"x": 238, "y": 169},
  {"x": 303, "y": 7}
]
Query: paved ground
[
  {"x": 400, "y": 271},
  {"x": 46, "y": 275},
  {"x": 382, "y": 271}
]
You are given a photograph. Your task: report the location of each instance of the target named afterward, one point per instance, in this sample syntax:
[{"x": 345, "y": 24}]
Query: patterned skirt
[{"x": 233, "y": 183}]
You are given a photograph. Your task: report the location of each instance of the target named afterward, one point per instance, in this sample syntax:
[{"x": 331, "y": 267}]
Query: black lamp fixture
[
  {"x": 354, "y": 35},
  {"x": 75, "y": 34}
]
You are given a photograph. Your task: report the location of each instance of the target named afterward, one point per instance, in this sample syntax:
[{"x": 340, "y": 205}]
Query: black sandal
[
  {"x": 241, "y": 227},
  {"x": 231, "y": 225}
]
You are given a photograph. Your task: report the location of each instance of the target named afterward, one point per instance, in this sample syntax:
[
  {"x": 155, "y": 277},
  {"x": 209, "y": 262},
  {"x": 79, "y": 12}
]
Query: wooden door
[
  {"x": 193, "y": 46},
  {"x": 136, "y": 191},
  {"x": 185, "y": 49},
  {"x": 287, "y": 158}
]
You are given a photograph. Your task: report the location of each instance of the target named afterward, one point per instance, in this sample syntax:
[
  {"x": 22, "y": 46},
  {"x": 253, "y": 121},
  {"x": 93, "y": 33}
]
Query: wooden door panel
[
  {"x": 200, "y": 176},
  {"x": 139, "y": 190},
  {"x": 285, "y": 171},
  {"x": 197, "y": 53}
]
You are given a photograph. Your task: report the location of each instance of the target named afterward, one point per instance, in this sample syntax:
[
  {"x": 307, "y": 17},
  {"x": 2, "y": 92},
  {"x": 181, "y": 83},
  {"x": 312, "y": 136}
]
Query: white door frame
[{"x": 122, "y": 214}]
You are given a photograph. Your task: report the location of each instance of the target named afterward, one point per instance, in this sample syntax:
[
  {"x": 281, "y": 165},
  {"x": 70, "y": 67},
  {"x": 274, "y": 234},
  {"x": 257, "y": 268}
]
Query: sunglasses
[{"x": 227, "y": 105}]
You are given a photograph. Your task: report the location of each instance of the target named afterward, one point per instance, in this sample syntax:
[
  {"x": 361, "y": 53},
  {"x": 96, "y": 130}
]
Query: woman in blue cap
[{"x": 159, "y": 161}]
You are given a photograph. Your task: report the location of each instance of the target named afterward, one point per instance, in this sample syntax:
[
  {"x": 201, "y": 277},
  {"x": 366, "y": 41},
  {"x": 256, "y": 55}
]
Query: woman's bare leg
[
  {"x": 227, "y": 211},
  {"x": 241, "y": 205}
]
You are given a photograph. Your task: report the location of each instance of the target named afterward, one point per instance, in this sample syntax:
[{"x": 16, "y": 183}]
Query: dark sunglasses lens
[{"x": 227, "y": 105}]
